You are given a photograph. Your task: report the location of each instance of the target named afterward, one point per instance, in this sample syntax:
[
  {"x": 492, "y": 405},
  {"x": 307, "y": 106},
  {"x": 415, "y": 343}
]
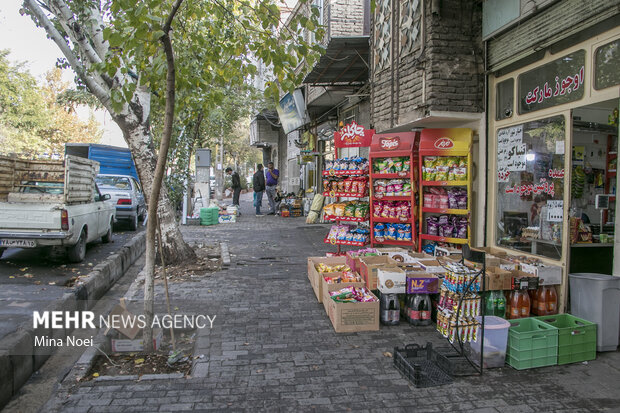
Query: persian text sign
[
  {"x": 558, "y": 82},
  {"x": 353, "y": 136}
]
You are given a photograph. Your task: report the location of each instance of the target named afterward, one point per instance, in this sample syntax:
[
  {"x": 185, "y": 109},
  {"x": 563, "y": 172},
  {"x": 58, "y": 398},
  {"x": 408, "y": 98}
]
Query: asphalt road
[
  {"x": 51, "y": 267},
  {"x": 30, "y": 278}
]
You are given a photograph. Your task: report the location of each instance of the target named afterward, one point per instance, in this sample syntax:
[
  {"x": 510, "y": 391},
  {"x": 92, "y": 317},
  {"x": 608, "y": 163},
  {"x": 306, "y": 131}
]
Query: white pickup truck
[{"x": 52, "y": 203}]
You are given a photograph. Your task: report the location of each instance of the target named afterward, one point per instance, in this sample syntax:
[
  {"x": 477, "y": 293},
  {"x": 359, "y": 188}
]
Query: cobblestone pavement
[{"x": 273, "y": 348}]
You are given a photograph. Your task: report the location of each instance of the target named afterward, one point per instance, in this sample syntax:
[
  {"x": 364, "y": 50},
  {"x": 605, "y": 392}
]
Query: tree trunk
[{"x": 138, "y": 138}]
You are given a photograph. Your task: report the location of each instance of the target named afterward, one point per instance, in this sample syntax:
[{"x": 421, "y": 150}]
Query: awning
[{"x": 345, "y": 62}]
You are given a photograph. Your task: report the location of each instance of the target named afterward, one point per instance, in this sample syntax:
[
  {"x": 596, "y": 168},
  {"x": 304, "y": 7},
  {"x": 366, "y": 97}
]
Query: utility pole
[{"x": 219, "y": 174}]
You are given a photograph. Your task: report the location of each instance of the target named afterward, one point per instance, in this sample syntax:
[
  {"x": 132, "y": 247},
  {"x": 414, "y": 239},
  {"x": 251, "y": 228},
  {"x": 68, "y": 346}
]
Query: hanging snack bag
[
  {"x": 406, "y": 164},
  {"x": 398, "y": 187},
  {"x": 339, "y": 210},
  {"x": 391, "y": 232},
  {"x": 398, "y": 165},
  {"x": 432, "y": 226},
  {"x": 329, "y": 209},
  {"x": 349, "y": 210}
]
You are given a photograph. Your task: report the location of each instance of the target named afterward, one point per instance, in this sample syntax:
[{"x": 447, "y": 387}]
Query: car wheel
[
  {"x": 77, "y": 252},
  {"x": 107, "y": 237},
  {"x": 133, "y": 222}
]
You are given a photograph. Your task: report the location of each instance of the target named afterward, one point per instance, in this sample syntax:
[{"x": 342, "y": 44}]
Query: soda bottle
[
  {"x": 500, "y": 304},
  {"x": 414, "y": 313},
  {"x": 425, "y": 308},
  {"x": 525, "y": 304},
  {"x": 490, "y": 304},
  {"x": 390, "y": 309}
]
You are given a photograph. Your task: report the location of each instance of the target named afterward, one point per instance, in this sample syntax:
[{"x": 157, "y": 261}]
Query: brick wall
[
  {"x": 346, "y": 17},
  {"x": 445, "y": 74}
]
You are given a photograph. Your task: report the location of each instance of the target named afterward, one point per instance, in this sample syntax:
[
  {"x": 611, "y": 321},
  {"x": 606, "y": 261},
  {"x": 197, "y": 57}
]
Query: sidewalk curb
[{"x": 17, "y": 365}]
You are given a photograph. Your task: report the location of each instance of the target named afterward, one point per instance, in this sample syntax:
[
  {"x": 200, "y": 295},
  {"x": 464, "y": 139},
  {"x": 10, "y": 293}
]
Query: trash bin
[{"x": 596, "y": 298}]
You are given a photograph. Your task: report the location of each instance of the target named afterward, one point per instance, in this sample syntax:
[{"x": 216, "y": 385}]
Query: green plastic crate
[
  {"x": 576, "y": 337},
  {"x": 531, "y": 343}
]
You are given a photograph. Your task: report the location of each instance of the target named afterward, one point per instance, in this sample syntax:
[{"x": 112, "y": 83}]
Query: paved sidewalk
[{"x": 273, "y": 348}]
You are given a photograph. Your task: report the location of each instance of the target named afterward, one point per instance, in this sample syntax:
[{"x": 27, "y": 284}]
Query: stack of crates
[
  {"x": 576, "y": 337},
  {"x": 531, "y": 343},
  {"x": 209, "y": 216}
]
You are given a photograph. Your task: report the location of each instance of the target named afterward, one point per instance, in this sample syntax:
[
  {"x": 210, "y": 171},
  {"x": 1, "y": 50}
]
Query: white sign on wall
[{"x": 511, "y": 152}]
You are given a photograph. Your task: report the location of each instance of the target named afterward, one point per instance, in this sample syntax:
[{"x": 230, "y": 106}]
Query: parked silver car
[{"x": 126, "y": 193}]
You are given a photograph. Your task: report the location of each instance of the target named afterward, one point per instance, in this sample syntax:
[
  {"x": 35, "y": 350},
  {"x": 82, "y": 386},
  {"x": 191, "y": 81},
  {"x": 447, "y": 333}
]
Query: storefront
[{"x": 552, "y": 145}]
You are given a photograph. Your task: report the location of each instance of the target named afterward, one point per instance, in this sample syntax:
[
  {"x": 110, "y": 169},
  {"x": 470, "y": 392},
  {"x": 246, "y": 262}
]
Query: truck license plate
[{"x": 17, "y": 243}]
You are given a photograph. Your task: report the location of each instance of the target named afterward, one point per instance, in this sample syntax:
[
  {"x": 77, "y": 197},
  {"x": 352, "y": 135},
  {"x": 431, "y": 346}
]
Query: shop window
[
  {"x": 410, "y": 26},
  {"x": 558, "y": 82},
  {"x": 606, "y": 63},
  {"x": 530, "y": 176},
  {"x": 505, "y": 97},
  {"x": 383, "y": 34}
]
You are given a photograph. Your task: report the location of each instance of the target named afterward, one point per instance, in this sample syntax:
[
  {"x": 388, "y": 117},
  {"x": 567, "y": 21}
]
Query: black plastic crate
[
  {"x": 418, "y": 365},
  {"x": 452, "y": 363}
]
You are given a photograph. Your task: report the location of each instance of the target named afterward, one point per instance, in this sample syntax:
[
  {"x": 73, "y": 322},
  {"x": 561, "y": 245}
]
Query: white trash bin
[{"x": 596, "y": 298}]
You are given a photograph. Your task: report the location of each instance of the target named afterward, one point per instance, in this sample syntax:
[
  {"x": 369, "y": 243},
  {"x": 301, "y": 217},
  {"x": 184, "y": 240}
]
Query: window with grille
[
  {"x": 383, "y": 34},
  {"x": 410, "y": 29}
]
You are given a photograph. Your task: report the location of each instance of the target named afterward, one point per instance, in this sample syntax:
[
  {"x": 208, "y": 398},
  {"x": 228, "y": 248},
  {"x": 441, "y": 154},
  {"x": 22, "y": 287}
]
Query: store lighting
[{"x": 530, "y": 157}]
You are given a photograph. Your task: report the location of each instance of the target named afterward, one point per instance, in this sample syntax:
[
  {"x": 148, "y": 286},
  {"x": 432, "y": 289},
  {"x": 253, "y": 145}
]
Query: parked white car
[
  {"x": 126, "y": 195},
  {"x": 51, "y": 203}
]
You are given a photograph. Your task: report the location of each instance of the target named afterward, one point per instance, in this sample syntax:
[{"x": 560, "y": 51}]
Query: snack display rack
[
  {"x": 349, "y": 195},
  {"x": 394, "y": 158},
  {"x": 445, "y": 154}
]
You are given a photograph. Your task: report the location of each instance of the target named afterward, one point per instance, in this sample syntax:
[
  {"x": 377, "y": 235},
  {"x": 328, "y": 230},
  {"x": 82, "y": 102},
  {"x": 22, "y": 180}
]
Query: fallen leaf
[
  {"x": 259, "y": 371},
  {"x": 95, "y": 374},
  {"x": 52, "y": 283},
  {"x": 138, "y": 361},
  {"x": 28, "y": 275},
  {"x": 11, "y": 276},
  {"x": 387, "y": 354},
  {"x": 23, "y": 269},
  {"x": 246, "y": 344}
]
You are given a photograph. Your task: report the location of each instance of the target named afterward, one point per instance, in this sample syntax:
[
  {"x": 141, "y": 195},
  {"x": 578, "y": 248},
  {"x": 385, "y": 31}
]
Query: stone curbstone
[{"x": 18, "y": 358}]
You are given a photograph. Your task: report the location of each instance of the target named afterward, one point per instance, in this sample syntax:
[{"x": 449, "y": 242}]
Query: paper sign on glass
[{"x": 555, "y": 211}]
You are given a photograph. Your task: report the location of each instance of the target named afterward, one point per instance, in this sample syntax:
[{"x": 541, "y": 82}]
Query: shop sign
[
  {"x": 555, "y": 83},
  {"x": 543, "y": 187},
  {"x": 353, "y": 136},
  {"x": 444, "y": 143},
  {"x": 389, "y": 144}
]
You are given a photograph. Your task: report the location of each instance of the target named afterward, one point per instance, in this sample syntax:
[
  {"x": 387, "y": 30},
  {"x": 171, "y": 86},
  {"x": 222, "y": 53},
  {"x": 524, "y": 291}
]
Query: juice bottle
[
  {"x": 534, "y": 300},
  {"x": 515, "y": 305},
  {"x": 414, "y": 313},
  {"x": 551, "y": 299},
  {"x": 541, "y": 304},
  {"x": 525, "y": 304}
]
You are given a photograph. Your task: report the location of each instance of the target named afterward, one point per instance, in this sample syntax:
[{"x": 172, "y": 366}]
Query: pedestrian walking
[
  {"x": 272, "y": 176},
  {"x": 258, "y": 184},
  {"x": 236, "y": 186}
]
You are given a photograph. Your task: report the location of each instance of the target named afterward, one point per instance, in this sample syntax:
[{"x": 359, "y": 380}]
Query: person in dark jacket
[
  {"x": 258, "y": 183},
  {"x": 236, "y": 185}
]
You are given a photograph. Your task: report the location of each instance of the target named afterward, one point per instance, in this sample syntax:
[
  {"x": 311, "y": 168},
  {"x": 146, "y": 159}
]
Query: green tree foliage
[{"x": 31, "y": 120}]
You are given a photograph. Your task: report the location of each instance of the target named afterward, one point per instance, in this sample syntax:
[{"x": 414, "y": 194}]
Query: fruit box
[
  {"x": 497, "y": 279},
  {"x": 369, "y": 267},
  {"x": 315, "y": 277},
  {"x": 353, "y": 317}
]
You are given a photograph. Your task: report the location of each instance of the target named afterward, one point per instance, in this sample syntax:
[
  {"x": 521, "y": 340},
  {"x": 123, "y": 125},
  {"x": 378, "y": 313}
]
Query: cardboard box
[
  {"x": 123, "y": 345},
  {"x": 314, "y": 275},
  {"x": 508, "y": 265},
  {"x": 422, "y": 283},
  {"x": 497, "y": 279},
  {"x": 397, "y": 254},
  {"x": 391, "y": 280},
  {"x": 369, "y": 267},
  {"x": 547, "y": 274},
  {"x": 354, "y": 262},
  {"x": 227, "y": 218},
  {"x": 354, "y": 317},
  {"x": 326, "y": 288},
  {"x": 129, "y": 330},
  {"x": 432, "y": 266}
]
